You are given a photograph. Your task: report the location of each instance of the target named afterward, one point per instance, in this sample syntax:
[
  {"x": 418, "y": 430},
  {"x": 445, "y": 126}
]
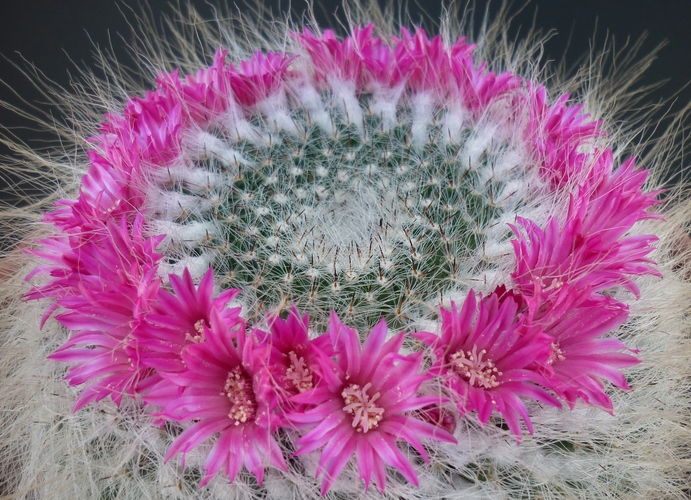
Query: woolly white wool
[{"x": 644, "y": 451}]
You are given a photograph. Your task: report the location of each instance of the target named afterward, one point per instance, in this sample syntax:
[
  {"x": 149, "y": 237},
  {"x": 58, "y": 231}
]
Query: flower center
[
  {"x": 298, "y": 373},
  {"x": 199, "y": 328},
  {"x": 366, "y": 414},
  {"x": 549, "y": 284},
  {"x": 240, "y": 393},
  {"x": 479, "y": 372},
  {"x": 557, "y": 354}
]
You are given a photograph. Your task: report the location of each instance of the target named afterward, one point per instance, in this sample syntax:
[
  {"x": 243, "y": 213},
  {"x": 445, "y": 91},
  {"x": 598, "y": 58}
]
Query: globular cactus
[{"x": 383, "y": 263}]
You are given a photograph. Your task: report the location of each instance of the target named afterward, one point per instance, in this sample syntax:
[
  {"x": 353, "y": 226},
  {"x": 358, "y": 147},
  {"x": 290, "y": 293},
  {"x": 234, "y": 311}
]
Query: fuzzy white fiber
[{"x": 105, "y": 452}]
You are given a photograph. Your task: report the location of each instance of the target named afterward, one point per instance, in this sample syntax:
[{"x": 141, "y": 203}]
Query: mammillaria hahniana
[{"x": 385, "y": 262}]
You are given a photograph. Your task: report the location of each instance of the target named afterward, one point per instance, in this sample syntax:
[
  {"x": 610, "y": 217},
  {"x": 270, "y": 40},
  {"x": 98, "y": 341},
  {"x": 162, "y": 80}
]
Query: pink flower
[
  {"x": 203, "y": 96},
  {"x": 334, "y": 59},
  {"x": 557, "y": 132},
  {"x": 152, "y": 127},
  {"x": 103, "y": 195},
  {"x": 178, "y": 319},
  {"x": 581, "y": 358},
  {"x": 225, "y": 392},
  {"x": 478, "y": 87},
  {"x": 371, "y": 390},
  {"x": 207, "y": 94},
  {"x": 488, "y": 359},
  {"x": 106, "y": 286},
  {"x": 361, "y": 58},
  {"x": 577, "y": 256},
  {"x": 296, "y": 361},
  {"x": 377, "y": 59},
  {"x": 259, "y": 77},
  {"x": 424, "y": 65},
  {"x": 608, "y": 206},
  {"x": 412, "y": 60}
]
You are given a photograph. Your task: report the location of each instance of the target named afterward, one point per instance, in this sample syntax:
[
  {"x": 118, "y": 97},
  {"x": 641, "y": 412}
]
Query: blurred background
[{"x": 58, "y": 35}]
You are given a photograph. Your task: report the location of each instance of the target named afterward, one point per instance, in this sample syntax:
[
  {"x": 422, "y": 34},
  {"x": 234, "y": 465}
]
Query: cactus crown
[{"x": 355, "y": 214}]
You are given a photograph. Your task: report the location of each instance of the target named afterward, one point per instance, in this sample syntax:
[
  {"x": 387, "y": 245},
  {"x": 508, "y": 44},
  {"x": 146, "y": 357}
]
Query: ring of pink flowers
[{"x": 604, "y": 202}]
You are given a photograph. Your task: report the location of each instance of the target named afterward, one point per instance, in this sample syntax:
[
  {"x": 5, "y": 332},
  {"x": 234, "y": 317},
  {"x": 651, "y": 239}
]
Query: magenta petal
[
  {"x": 253, "y": 461},
  {"x": 376, "y": 338},
  {"x": 334, "y": 467},
  {"x": 235, "y": 455},
  {"x": 347, "y": 340},
  {"x": 218, "y": 457},
  {"x": 273, "y": 451},
  {"x": 194, "y": 435},
  {"x": 392, "y": 456},
  {"x": 365, "y": 460},
  {"x": 340, "y": 441},
  {"x": 89, "y": 395}
]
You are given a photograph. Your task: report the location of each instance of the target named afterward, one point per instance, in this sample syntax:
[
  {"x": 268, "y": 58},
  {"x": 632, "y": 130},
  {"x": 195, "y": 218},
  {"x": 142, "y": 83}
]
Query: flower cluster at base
[
  {"x": 198, "y": 362},
  {"x": 341, "y": 397},
  {"x": 259, "y": 387}
]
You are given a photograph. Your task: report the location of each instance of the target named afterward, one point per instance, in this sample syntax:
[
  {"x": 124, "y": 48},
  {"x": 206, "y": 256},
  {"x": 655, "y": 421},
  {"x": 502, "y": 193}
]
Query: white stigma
[
  {"x": 366, "y": 414},
  {"x": 299, "y": 374},
  {"x": 557, "y": 353},
  {"x": 479, "y": 372},
  {"x": 199, "y": 329},
  {"x": 238, "y": 389}
]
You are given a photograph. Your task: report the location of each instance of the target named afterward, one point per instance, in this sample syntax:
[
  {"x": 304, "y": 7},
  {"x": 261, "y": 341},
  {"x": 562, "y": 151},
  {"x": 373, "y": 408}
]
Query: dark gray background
[{"x": 53, "y": 33}]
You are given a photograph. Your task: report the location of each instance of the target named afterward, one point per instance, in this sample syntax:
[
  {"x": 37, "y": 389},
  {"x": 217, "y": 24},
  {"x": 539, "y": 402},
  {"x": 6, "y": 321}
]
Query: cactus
[{"x": 384, "y": 263}]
